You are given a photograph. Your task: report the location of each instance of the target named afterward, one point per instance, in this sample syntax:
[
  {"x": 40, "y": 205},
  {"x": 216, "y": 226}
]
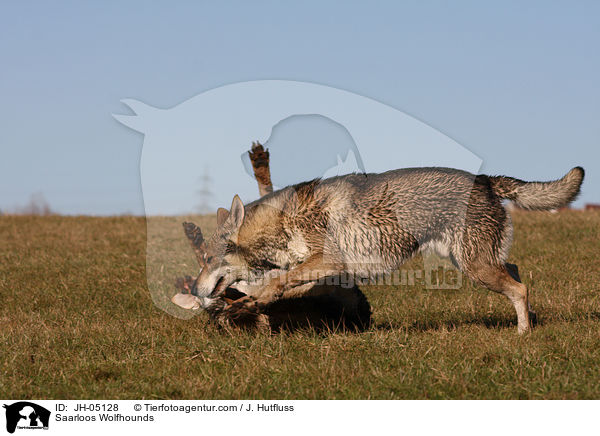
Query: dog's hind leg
[
  {"x": 513, "y": 270},
  {"x": 498, "y": 278}
]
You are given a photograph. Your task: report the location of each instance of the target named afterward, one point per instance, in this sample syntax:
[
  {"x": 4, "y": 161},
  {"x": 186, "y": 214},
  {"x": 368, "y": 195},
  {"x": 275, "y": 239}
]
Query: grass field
[{"x": 77, "y": 321}]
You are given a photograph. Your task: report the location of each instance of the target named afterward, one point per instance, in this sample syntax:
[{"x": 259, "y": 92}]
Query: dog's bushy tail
[{"x": 540, "y": 195}]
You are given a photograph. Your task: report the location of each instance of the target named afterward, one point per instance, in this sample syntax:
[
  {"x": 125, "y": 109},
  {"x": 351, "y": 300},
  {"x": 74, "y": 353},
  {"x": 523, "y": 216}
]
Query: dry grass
[{"x": 77, "y": 321}]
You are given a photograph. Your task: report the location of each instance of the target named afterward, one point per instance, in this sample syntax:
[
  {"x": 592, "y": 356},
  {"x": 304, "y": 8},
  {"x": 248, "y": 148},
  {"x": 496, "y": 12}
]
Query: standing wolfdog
[{"x": 365, "y": 224}]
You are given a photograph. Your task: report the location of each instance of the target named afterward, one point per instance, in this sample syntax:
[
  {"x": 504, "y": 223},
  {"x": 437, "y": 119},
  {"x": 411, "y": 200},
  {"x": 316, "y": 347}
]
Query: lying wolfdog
[{"x": 365, "y": 224}]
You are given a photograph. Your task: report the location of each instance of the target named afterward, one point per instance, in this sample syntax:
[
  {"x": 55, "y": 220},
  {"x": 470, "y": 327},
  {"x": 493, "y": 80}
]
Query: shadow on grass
[
  {"x": 491, "y": 322},
  {"x": 336, "y": 324},
  {"x": 329, "y": 314},
  {"x": 423, "y": 325}
]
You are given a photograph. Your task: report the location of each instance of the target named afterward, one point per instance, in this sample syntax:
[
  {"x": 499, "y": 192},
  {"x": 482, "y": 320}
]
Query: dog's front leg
[
  {"x": 299, "y": 278},
  {"x": 295, "y": 282}
]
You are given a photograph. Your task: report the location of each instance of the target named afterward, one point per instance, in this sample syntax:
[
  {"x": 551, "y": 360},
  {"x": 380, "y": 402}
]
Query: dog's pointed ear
[
  {"x": 194, "y": 235},
  {"x": 236, "y": 214},
  {"x": 222, "y": 215}
]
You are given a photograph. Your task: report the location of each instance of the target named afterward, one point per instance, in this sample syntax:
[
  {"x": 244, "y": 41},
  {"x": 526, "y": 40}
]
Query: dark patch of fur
[
  {"x": 485, "y": 220},
  {"x": 194, "y": 235}
]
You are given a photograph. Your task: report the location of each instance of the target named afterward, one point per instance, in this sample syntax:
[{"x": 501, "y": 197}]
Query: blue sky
[{"x": 514, "y": 82}]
